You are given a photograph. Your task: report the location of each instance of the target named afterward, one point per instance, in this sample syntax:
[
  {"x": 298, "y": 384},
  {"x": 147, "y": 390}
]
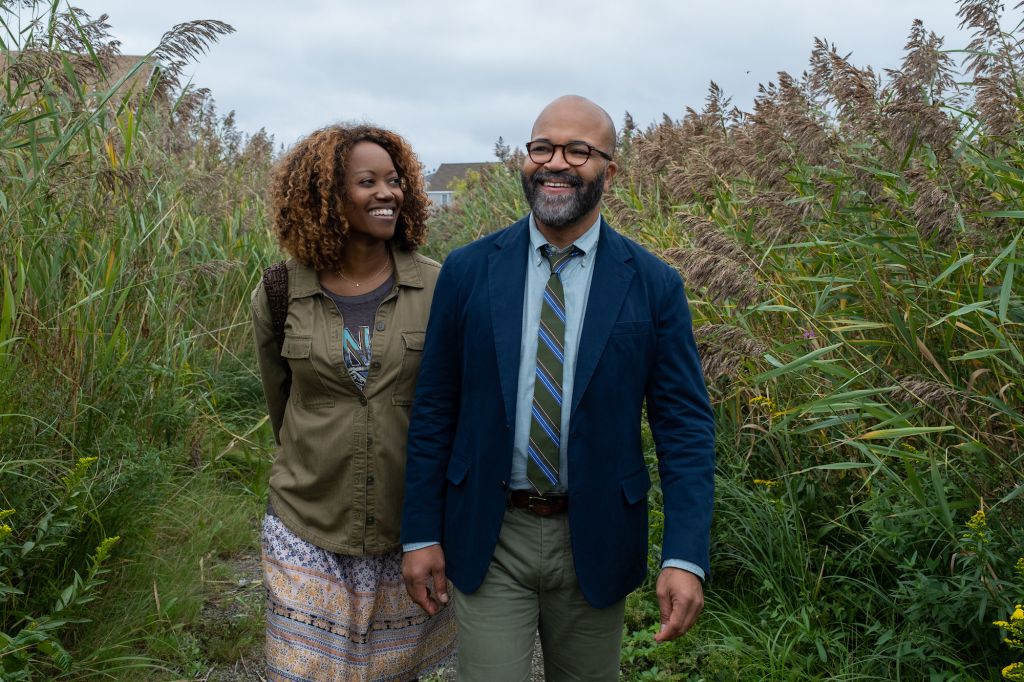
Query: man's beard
[{"x": 559, "y": 211}]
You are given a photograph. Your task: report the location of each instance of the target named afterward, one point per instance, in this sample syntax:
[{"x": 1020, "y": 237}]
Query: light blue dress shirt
[{"x": 576, "y": 277}]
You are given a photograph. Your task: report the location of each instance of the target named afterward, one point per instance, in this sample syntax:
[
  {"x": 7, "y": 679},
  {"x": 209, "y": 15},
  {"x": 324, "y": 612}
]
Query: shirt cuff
[
  {"x": 677, "y": 563},
  {"x": 413, "y": 546}
]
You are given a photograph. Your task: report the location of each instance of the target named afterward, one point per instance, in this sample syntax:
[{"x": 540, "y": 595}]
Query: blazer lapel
[
  {"x": 506, "y": 281},
  {"x": 608, "y": 287}
]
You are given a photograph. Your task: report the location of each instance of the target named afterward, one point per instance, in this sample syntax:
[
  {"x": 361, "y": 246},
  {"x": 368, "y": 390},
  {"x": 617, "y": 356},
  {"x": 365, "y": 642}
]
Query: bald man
[{"x": 526, "y": 483}]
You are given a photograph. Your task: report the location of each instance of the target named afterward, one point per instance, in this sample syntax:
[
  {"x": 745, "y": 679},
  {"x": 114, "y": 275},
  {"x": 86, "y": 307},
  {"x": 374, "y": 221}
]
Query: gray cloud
[{"x": 453, "y": 76}]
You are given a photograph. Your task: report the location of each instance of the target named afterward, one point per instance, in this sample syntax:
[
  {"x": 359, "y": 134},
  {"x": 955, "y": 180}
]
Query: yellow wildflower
[
  {"x": 1019, "y": 566},
  {"x": 86, "y": 462},
  {"x": 1014, "y": 672},
  {"x": 766, "y": 484},
  {"x": 4, "y": 513},
  {"x": 5, "y": 530},
  {"x": 1018, "y": 613},
  {"x": 761, "y": 401},
  {"x": 977, "y": 527}
]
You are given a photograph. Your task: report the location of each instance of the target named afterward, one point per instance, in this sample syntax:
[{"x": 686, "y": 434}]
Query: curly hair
[{"x": 307, "y": 194}]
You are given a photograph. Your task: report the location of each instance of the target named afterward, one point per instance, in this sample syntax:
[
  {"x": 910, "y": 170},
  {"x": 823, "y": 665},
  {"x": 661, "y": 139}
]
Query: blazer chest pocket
[
  {"x": 306, "y": 381},
  {"x": 631, "y": 327},
  {"x": 412, "y": 353}
]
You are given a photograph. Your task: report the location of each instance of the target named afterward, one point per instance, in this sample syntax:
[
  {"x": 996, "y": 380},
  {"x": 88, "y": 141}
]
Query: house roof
[{"x": 447, "y": 173}]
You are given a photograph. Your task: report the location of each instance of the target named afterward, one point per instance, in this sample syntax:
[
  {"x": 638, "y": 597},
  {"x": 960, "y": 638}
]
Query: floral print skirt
[{"x": 337, "y": 617}]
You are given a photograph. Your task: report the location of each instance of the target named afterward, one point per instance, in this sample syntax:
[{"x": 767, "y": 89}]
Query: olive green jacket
[{"x": 337, "y": 480}]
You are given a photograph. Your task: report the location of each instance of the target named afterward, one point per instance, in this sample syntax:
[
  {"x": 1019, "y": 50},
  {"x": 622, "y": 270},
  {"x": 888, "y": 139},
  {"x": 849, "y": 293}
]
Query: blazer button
[
  {"x": 380, "y": 326},
  {"x": 375, "y": 364},
  {"x": 369, "y": 520},
  {"x": 504, "y": 485},
  {"x": 362, "y": 400}
]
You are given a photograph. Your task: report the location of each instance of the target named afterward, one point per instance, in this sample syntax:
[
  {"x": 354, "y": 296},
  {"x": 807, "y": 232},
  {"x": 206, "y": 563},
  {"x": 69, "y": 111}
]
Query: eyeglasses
[{"x": 575, "y": 153}]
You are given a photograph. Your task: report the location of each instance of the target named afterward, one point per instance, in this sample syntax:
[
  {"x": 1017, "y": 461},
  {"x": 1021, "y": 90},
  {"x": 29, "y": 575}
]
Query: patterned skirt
[{"x": 337, "y": 617}]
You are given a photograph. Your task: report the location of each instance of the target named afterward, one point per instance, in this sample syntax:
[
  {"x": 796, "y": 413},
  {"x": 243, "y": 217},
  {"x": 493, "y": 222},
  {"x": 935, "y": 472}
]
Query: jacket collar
[
  {"x": 304, "y": 281},
  {"x": 613, "y": 273}
]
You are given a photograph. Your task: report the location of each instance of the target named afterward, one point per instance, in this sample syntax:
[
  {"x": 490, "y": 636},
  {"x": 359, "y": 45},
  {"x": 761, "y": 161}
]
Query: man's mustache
[{"x": 548, "y": 176}]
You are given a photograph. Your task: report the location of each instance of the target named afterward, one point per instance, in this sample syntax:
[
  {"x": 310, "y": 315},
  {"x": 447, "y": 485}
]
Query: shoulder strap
[{"x": 275, "y": 281}]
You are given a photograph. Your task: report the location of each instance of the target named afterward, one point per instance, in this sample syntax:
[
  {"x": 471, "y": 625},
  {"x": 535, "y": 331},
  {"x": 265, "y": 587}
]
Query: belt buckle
[{"x": 533, "y": 499}]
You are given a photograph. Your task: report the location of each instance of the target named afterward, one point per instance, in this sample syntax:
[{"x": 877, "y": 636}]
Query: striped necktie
[{"x": 546, "y": 421}]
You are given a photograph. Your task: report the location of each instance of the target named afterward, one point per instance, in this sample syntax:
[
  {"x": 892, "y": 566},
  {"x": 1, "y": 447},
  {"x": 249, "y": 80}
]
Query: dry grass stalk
[
  {"x": 913, "y": 113},
  {"x": 184, "y": 43},
  {"x": 784, "y": 130},
  {"x": 940, "y": 397},
  {"x": 621, "y": 214},
  {"x": 995, "y": 60},
  {"x": 779, "y": 216},
  {"x": 854, "y": 91},
  {"x": 938, "y": 215},
  {"x": 723, "y": 348},
  {"x": 927, "y": 72},
  {"x": 720, "y": 277},
  {"x": 706, "y": 235}
]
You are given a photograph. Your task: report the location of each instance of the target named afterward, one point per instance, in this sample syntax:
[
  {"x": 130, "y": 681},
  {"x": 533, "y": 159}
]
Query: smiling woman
[{"x": 348, "y": 205}]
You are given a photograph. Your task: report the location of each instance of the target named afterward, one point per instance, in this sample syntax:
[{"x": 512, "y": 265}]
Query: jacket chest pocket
[
  {"x": 412, "y": 353},
  {"x": 307, "y": 385}
]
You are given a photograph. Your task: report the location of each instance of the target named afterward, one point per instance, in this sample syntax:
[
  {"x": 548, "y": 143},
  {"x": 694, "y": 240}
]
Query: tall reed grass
[
  {"x": 132, "y": 223},
  {"x": 852, "y": 252}
]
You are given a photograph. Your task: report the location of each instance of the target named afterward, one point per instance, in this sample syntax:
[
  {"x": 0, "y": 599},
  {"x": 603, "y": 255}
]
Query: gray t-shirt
[{"x": 358, "y": 313}]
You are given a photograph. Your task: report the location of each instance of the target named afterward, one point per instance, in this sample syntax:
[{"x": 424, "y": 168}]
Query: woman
[{"x": 348, "y": 205}]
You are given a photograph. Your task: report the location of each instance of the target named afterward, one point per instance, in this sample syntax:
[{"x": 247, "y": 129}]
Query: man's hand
[
  {"x": 680, "y": 599},
  {"x": 423, "y": 572}
]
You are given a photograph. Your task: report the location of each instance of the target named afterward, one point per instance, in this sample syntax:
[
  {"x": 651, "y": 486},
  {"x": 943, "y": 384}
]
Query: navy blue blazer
[{"x": 636, "y": 344}]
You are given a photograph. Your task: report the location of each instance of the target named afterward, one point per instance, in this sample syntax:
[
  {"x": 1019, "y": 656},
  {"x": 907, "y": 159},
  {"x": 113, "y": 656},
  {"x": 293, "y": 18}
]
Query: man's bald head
[{"x": 581, "y": 112}]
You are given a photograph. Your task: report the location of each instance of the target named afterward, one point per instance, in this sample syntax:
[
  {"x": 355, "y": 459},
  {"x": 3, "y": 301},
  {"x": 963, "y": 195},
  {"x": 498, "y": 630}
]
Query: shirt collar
[
  {"x": 587, "y": 242},
  {"x": 305, "y": 282}
]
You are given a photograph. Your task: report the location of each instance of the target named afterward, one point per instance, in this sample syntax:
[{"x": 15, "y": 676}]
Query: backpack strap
[{"x": 275, "y": 281}]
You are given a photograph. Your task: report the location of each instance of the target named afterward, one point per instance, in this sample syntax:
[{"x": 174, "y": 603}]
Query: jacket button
[
  {"x": 504, "y": 485},
  {"x": 369, "y": 520},
  {"x": 369, "y": 479},
  {"x": 375, "y": 364},
  {"x": 380, "y": 326},
  {"x": 362, "y": 400}
]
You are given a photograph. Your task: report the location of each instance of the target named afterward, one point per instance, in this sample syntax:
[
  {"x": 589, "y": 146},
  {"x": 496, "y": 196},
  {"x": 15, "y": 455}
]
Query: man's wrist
[
  {"x": 413, "y": 546},
  {"x": 687, "y": 566}
]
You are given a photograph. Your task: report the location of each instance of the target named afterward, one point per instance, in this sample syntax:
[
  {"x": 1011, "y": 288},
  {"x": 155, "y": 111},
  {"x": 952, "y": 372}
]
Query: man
[{"x": 525, "y": 459}]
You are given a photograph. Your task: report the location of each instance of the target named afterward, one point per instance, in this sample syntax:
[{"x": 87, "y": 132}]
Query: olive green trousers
[{"x": 531, "y": 587}]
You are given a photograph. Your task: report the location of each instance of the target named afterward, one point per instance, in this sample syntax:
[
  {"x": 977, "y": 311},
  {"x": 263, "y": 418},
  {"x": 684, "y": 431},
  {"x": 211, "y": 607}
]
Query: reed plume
[
  {"x": 938, "y": 215},
  {"x": 719, "y": 277},
  {"x": 723, "y": 348}
]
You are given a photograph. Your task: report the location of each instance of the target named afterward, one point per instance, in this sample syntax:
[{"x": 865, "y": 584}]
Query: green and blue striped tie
[{"x": 546, "y": 422}]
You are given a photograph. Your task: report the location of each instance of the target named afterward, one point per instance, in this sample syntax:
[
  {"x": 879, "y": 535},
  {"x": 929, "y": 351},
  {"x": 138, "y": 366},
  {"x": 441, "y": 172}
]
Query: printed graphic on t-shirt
[{"x": 356, "y": 347}]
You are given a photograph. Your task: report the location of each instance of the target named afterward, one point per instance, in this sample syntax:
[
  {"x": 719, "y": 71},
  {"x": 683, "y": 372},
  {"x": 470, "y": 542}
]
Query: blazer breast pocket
[{"x": 631, "y": 327}]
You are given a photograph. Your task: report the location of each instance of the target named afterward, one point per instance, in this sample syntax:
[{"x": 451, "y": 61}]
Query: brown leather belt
[{"x": 541, "y": 505}]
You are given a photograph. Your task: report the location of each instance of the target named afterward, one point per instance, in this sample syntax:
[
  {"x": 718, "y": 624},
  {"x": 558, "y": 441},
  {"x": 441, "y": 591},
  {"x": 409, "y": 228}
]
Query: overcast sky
[{"x": 454, "y": 76}]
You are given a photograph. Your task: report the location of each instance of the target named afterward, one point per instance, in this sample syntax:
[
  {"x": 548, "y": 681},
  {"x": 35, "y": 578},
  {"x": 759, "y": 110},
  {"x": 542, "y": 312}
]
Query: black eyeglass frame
[{"x": 554, "y": 147}]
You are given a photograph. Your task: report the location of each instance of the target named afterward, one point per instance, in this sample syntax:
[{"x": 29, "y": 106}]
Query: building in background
[{"x": 441, "y": 183}]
